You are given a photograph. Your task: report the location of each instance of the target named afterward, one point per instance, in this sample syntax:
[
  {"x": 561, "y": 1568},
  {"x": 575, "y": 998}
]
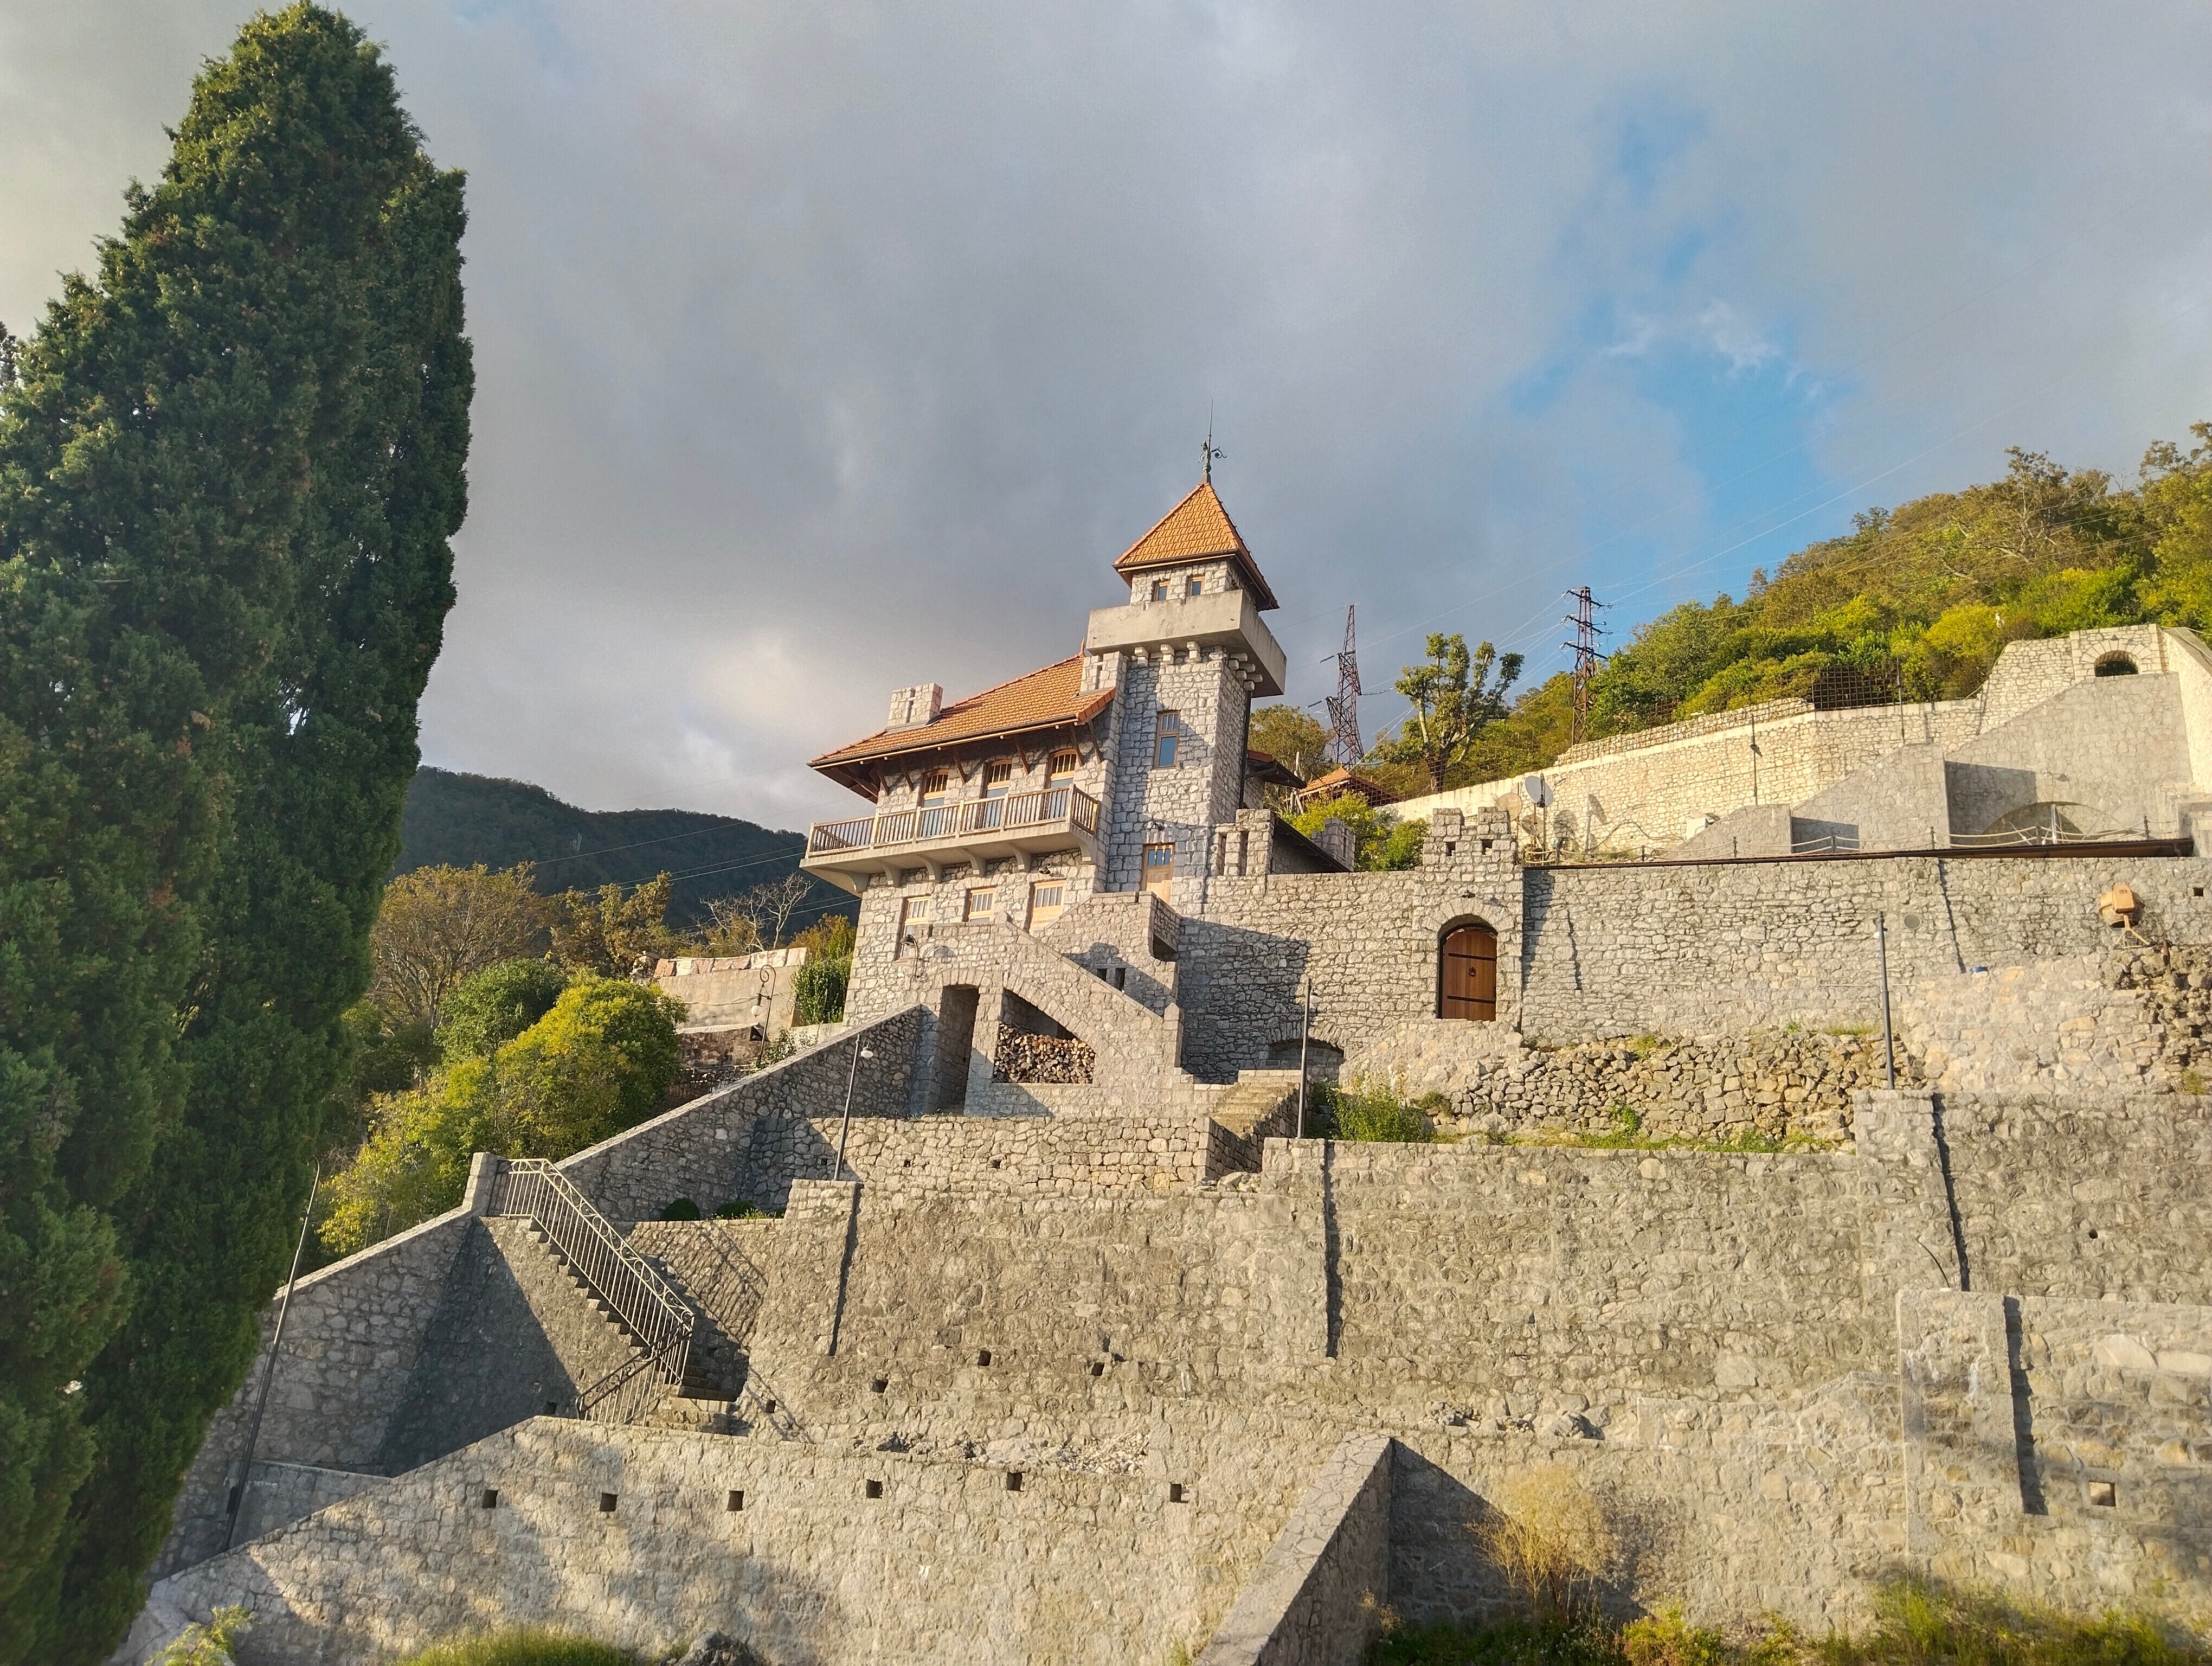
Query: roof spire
[{"x": 1209, "y": 450}]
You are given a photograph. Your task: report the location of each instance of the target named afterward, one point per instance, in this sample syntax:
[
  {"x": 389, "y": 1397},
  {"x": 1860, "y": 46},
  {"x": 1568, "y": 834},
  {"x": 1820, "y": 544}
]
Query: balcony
[{"x": 1021, "y": 825}]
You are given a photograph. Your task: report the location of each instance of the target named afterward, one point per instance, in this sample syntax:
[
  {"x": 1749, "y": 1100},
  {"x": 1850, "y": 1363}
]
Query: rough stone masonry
[{"x": 1087, "y": 1348}]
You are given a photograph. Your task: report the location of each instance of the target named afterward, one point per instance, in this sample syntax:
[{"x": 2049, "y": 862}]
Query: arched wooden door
[{"x": 1468, "y": 973}]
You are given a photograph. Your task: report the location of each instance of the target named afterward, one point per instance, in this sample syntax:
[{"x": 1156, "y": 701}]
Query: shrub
[
  {"x": 209, "y": 1645},
  {"x": 1922, "y": 1621},
  {"x": 681, "y": 1208},
  {"x": 1551, "y": 1541},
  {"x": 1666, "y": 1638},
  {"x": 489, "y": 1009},
  {"x": 1365, "y": 1112},
  {"x": 737, "y": 1209},
  {"x": 818, "y": 990},
  {"x": 523, "y": 1646}
]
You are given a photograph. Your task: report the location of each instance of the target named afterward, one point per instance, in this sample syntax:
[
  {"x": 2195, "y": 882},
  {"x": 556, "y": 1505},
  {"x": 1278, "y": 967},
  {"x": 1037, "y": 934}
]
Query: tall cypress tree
[{"x": 285, "y": 309}]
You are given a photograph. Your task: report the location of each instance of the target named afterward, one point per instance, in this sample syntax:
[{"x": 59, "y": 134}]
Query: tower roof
[{"x": 1197, "y": 529}]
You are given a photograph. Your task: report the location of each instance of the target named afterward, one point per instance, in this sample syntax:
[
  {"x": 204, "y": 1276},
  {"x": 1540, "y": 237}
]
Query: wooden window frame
[
  {"x": 1145, "y": 865},
  {"x": 1168, "y": 734}
]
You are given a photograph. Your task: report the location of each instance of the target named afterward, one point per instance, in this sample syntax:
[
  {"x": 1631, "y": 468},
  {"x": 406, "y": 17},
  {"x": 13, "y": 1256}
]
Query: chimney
[{"x": 912, "y": 707}]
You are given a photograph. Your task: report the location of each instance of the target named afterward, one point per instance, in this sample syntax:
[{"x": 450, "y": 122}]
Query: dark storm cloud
[{"x": 827, "y": 349}]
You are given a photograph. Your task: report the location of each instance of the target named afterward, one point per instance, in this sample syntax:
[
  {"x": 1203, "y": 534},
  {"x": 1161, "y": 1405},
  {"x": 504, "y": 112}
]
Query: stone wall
[
  {"x": 2058, "y": 1450},
  {"x": 940, "y": 1560},
  {"x": 1707, "y": 949},
  {"x": 1772, "y": 1084},
  {"x": 721, "y": 1267},
  {"x": 2100, "y": 1196},
  {"x": 1709, "y": 1341},
  {"x": 1367, "y": 943},
  {"x": 703, "y": 1151},
  {"x": 1316, "y": 1597},
  {"x": 352, "y": 1339}
]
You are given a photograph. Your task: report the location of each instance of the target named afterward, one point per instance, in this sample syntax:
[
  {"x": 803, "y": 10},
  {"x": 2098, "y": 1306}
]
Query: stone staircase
[{"x": 601, "y": 1329}]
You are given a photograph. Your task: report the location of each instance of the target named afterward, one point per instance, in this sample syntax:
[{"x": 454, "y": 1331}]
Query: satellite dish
[{"x": 1536, "y": 790}]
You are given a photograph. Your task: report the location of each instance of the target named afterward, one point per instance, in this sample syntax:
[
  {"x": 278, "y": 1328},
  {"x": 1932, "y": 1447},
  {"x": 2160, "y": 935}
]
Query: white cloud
[{"x": 826, "y": 349}]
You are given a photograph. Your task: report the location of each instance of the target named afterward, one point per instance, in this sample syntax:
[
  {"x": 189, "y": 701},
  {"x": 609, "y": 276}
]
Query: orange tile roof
[
  {"x": 1197, "y": 529},
  {"x": 1051, "y": 698}
]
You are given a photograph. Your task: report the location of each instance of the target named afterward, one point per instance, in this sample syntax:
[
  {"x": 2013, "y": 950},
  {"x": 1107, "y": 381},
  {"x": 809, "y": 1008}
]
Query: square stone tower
[{"x": 1188, "y": 654}]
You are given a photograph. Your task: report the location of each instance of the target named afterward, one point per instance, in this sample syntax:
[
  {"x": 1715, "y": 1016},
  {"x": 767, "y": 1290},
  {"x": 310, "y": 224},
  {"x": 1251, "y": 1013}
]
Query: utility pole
[
  {"x": 1344, "y": 740},
  {"x": 1587, "y": 631}
]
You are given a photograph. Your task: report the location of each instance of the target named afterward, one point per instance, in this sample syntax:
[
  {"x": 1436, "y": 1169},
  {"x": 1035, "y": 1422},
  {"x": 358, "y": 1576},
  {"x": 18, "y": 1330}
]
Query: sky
[{"x": 823, "y": 349}]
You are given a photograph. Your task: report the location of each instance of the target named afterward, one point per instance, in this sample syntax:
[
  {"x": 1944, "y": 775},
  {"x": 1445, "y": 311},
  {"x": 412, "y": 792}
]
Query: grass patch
[
  {"x": 1364, "y": 1113},
  {"x": 1915, "y": 1623},
  {"x": 1626, "y": 1134},
  {"x": 1848, "y": 1030},
  {"x": 527, "y": 1645}
]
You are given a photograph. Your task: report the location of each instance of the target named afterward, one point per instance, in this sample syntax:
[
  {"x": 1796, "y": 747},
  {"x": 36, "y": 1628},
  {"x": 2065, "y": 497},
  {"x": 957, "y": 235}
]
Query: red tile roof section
[
  {"x": 1197, "y": 529},
  {"x": 1051, "y": 698}
]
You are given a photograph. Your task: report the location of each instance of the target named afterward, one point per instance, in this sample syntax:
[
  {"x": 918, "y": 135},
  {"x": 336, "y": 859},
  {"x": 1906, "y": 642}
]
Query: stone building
[{"x": 1828, "y": 1215}]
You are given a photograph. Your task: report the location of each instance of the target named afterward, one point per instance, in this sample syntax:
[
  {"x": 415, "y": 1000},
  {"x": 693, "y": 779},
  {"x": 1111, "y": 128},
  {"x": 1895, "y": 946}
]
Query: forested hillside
[
  {"x": 1918, "y": 600},
  {"x": 464, "y": 820}
]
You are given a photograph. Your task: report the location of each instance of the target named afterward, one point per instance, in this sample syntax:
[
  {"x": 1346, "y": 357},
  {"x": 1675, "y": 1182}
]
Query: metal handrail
[
  {"x": 953, "y": 821},
  {"x": 632, "y": 1389},
  {"x": 531, "y": 1186}
]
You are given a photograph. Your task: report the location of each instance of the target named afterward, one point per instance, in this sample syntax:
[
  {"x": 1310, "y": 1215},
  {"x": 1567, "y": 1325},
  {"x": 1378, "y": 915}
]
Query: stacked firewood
[{"x": 1024, "y": 1058}]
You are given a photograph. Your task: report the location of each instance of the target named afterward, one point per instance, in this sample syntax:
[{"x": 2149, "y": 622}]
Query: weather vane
[{"x": 1209, "y": 450}]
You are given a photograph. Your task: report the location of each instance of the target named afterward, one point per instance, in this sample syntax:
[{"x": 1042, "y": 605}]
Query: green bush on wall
[{"x": 1360, "y": 1112}]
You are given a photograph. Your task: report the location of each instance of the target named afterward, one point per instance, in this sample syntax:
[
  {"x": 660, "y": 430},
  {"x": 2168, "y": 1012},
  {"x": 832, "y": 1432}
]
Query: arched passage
[{"x": 1466, "y": 971}]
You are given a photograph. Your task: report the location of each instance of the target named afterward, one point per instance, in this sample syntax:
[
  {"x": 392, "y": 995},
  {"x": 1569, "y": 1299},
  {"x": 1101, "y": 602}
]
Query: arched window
[
  {"x": 1466, "y": 972},
  {"x": 2116, "y": 664}
]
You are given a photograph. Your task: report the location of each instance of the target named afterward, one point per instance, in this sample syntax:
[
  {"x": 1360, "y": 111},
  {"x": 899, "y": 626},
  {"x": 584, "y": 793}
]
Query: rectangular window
[
  {"x": 980, "y": 903},
  {"x": 1194, "y": 586},
  {"x": 1167, "y": 739},
  {"x": 1159, "y": 866},
  {"x": 1160, "y": 590},
  {"x": 910, "y": 910},
  {"x": 933, "y": 787},
  {"x": 1045, "y": 902},
  {"x": 1058, "y": 768},
  {"x": 998, "y": 779}
]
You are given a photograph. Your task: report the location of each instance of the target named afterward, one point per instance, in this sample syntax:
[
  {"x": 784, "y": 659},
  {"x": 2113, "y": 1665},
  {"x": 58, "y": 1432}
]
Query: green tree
[
  {"x": 491, "y": 1008},
  {"x": 1293, "y": 738},
  {"x": 438, "y": 925},
  {"x": 1380, "y": 842},
  {"x": 1455, "y": 695},
  {"x": 602, "y": 1060},
  {"x": 616, "y": 931},
  {"x": 266, "y": 392}
]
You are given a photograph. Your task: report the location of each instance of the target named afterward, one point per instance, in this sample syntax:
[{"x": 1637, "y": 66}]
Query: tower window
[
  {"x": 933, "y": 786},
  {"x": 998, "y": 779},
  {"x": 1194, "y": 586},
  {"x": 1159, "y": 590},
  {"x": 1058, "y": 768},
  {"x": 1167, "y": 731}
]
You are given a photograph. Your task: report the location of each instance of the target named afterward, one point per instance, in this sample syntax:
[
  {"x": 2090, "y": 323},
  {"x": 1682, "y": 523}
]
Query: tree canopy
[{"x": 228, "y": 476}]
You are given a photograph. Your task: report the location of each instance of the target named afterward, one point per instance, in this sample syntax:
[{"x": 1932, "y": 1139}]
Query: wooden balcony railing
[{"x": 944, "y": 823}]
